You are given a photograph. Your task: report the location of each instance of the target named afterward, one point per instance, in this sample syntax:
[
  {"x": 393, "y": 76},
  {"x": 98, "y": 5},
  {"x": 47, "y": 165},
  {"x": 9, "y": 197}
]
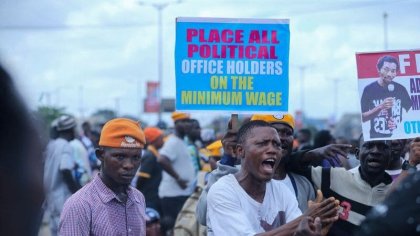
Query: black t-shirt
[
  {"x": 150, "y": 176},
  {"x": 373, "y": 95}
]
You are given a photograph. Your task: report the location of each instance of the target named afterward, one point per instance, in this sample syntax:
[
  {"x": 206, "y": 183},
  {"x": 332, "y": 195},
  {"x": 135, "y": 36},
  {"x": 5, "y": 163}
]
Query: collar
[
  {"x": 106, "y": 194},
  {"x": 386, "y": 180}
]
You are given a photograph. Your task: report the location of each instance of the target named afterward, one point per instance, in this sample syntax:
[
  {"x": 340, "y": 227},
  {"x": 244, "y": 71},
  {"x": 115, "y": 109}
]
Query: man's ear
[
  {"x": 99, "y": 153},
  {"x": 239, "y": 151},
  {"x": 357, "y": 152}
]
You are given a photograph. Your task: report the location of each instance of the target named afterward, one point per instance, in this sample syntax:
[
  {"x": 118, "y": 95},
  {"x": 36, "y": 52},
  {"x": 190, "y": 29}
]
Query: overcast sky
[{"x": 96, "y": 54}]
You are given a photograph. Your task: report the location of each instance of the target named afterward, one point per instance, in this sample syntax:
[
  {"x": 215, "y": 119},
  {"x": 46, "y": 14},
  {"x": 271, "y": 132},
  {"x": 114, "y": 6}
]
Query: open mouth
[{"x": 269, "y": 164}]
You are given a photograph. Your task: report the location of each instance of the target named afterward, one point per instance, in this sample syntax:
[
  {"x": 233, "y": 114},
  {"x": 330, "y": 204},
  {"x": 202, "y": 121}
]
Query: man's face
[
  {"x": 120, "y": 164},
  {"x": 182, "y": 126},
  {"x": 302, "y": 137},
  {"x": 388, "y": 72},
  {"x": 397, "y": 148},
  {"x": 260, "y": 153},
  {"x": 286, "y": 138},
  {"x": 158, "y": 143},
  {"x": 374, "y": 156},
  {"x": 195, "y": 131}
]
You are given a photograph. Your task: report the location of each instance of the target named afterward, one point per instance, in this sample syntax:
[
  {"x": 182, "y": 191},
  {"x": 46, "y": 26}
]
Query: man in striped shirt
[
  {"x": 357, "y": 191},
  {"x": 108, "y": 205}
]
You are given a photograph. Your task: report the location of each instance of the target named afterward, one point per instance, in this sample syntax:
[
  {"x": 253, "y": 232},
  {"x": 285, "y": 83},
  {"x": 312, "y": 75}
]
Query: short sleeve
[
  {"x": 224, "y": 213},
  {"x": 147, "y": 165},
  {"x": 316, "y": 176},
  {"x": 365, "y": 100},
  {"x": 169, "y": 149},
  {"x": 66, "y": 158},
  {"x": 292, "y": 210}
]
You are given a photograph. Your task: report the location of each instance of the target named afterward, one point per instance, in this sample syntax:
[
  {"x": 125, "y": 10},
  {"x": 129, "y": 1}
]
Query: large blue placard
[{"x": 236, "y": 65}]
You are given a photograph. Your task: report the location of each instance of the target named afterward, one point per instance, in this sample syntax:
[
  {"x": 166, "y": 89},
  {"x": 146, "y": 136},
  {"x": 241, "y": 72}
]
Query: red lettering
[
  {"x": 239, "y": 34},
  {"x": 254, "y": 36},
  {"x": 232, "y": 50},
  {"x": 190, "y": 34},
  {"x": 201, "y": 36},
  {"x": 227, "y": 36},
  {"x": 205, "y": 51},
  {"x": 263, "y": 53},
  {"x": 223, "y": 52},
  {"x": 250, "y": 52},
  {"x": 346, "y": 207},
  {"x": 265, "y": 37},
  {"x": 192, "y": 48},
  {"x": 214, "y": 52},
  {"x": 274, "y": 37},
  {"x": 214, "y": 36},
  {"x": 241, "y": 52},
  {"x": 273, "y": 52}
]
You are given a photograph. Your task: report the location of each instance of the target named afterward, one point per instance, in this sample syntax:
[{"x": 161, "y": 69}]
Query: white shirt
[
  {"x": 177, "y": 152},
  {"x": 231, "y": 211}
]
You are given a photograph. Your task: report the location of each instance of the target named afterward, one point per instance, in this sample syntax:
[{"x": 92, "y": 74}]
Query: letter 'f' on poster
[
  {"x": 389, "y": 88},
  {"x": 234, "y": 65}
]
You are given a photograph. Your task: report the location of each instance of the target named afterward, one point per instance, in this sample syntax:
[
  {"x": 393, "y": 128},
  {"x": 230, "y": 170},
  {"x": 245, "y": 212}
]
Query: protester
[
  {"x": 323, "y": 138},
  {"x": 358, "y": 192},
  {"x": 179, "y": 175},
  {"x": 383, "y": 101},
  {"x": 193, "y": 137},
  {"x": 397, "y": 157},
  {"x": 21, "y": 164},
  {"x": 249, "y": 202},
  {"x": 304, "y": 137},
  {"x": 215, "y": 153},
  {"x": 150, "y": 173},
  {"x": 108, "y": 205},
  {"x": 186, "y": 223},
  {"x": 399, "y": 214},
  {"x": 297, "y": 184},
  {"x": 86, "y": 138},
  {"x": 59, "y": 180},
  {"x": 225, "y": 166}
]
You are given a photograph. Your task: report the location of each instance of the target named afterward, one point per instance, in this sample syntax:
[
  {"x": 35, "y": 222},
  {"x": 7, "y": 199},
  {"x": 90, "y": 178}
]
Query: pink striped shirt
[{"x": 95, "y": 210}]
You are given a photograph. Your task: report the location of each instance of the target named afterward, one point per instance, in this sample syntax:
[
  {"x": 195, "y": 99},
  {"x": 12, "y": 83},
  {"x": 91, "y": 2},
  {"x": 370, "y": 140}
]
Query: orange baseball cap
[
  {"x": 152, "y": 133},
  {"x": 281, "y": 118},
  {"x": 122, "y": 133},
  {"x": 215, "y": 148},
  {"x": 179, "y": 116}
]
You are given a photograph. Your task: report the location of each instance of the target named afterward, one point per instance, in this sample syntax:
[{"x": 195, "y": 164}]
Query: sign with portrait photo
[{"x": 389, "y": 88}]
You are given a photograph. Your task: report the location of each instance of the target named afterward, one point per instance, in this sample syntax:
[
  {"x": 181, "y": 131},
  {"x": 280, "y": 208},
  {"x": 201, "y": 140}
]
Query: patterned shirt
[{"x": 96, "y": 210}]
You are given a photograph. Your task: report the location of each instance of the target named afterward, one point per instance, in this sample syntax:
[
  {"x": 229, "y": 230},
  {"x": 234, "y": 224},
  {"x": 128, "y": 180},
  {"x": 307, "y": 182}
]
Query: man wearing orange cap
[
  {"x": 150, "y": 173},
  {"x": 297, "y": 184},
  {"x": 179, "y": 175},
  {"x": 108, "y": 205},
  {"x": 215, "y": 153}
]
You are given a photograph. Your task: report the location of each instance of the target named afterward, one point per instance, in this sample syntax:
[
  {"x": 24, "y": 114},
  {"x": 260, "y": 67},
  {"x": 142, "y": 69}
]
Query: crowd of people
[{"x": 261, "y": 176}]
